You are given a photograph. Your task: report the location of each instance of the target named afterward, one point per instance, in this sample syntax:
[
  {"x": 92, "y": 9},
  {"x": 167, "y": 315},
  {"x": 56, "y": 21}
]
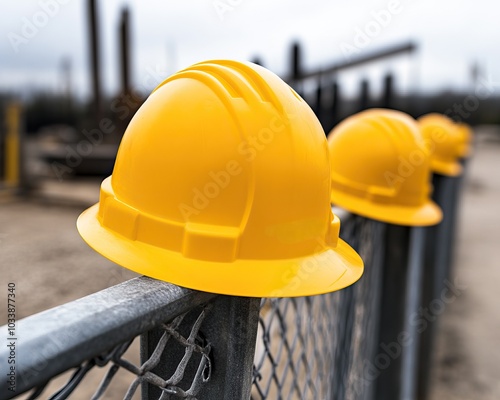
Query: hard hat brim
[
  {"x": 446, "y": 168},
  {"x": 425, "y": 215},
  {"x": 323, "y": 272}
]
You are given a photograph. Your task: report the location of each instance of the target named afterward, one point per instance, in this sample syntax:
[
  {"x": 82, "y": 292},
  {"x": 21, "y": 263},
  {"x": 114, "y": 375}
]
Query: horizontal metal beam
[
  {"x": 61, "y": 338},
  {"x": 374, "y": 56}
]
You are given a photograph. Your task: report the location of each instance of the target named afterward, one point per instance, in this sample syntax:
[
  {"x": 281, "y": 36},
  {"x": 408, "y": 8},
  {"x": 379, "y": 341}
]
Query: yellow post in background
[{"x": 12, "y": 145}]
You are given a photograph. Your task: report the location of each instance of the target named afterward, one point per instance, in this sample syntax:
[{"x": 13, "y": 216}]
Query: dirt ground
[{"x": 41, "y": 251}]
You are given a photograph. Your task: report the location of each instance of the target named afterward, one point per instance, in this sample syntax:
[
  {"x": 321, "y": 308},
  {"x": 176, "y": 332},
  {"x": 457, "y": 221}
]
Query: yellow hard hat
[
  {"x": 444, "y": 143},
  {"x": 380, "y": 168},
  {"x": 221, "y": 184},
  {"x": 466, "y": 137}
]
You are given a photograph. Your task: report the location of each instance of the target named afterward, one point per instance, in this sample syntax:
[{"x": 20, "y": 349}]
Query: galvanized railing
[{"x": 357, "y": 343}]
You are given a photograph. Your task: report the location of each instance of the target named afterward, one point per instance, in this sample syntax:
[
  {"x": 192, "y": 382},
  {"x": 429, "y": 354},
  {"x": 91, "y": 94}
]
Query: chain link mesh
[
  {"x": 314, "y": 347},
  {"x": 193, "y": 344},
  {"x": 317, "y": 347}
]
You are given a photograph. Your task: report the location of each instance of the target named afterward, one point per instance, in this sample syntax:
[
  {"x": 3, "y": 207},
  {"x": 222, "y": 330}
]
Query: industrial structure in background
[{"x": 81, "y": 138}]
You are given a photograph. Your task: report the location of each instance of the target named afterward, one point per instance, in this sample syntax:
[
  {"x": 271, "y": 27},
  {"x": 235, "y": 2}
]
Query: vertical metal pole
[
  {"x": 94, "y": 58},
  {"x": 13, "y": 145},
  {"x": 124, "y": 51},
  {"x": 231, "y": 329},
  {"x": 436, "y": 270},
  {"x": 387, "y": 363},
  {"x": 296, "y": 67},
  {"x": 357, "y": 318},
  {"x": 375, "y": 295},
  {"x": 124, "y": 65},
  {"x": 296, "y": 61},
  {"x": 364, "y": 94},
  {"x": 317, "y": 102},
  {"x": 426, "y": 337},
  {"x": 453, "y": 202},
  {"x": 66, "y": 68},
  {"x": 344, "y": 333},
  {"x": 388, "y": 91},
  {"x": 335, "y": 105},
  {"x": 447, "y": 203},
  {"x": 409, "y": 354}
]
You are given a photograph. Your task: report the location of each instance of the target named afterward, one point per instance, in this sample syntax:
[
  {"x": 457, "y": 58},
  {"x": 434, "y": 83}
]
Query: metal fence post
[
  {"x": 12, "y": 146},
  {"x": 392, "y": 310},
  {"x": 373, "y": 303},
  {"x": 438, "y": 258},
  {"x": 364, "y": 96},
  {"x": 357, "y": 316},
  {"x": 388, "y": 91},
  {"x": 318, "y": 98},
  {"x": 296, "y": 68},
  {"x": 409, "y": 356},
  {"x": 454, "y": 196},
  {"x": 230, "y": 328},
  {"x": 335, "y": 104},
  {"x": 396, "y": 356},
  {"x": 343, "y": 350}
]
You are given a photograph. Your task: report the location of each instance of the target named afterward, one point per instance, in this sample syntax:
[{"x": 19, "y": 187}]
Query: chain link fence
[
  {"x": 114, "y": 360},
  {"x": 316, "y": 347},
  {"x": 198, "y": 345}
]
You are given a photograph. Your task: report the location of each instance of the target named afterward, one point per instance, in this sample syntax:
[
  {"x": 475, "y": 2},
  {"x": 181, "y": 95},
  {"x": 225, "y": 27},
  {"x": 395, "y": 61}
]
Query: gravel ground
[
  {"x": 43, "y": 254},
  {"x": 41, "y": 251}
]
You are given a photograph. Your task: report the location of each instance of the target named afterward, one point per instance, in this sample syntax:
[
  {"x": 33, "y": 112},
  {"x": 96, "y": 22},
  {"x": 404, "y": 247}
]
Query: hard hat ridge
[
  {"x": 237, "y": 79},
  {"x": 222, "y": 184}
]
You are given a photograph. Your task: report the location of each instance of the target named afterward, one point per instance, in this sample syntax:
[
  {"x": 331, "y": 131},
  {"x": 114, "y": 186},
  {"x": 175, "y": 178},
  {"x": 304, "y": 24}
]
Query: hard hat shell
[
  {"x": 466, "y": 138},
  {"x": 444, "y": 142},
  {"x": 380, "y": 169},
  {"x": 221, "y": 184}
]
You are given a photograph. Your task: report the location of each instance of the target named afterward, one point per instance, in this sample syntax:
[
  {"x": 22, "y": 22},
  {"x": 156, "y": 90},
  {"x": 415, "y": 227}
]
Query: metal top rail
[
  {"x": 360, "y": 60},
  {"x": 61, "y": 338}
]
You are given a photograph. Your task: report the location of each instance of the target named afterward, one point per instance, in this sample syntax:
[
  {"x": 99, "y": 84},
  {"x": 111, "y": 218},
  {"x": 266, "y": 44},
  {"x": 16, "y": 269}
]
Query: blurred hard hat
[
  {"x": 380, "y": 168},
  {"x": 221, "y": 184},
  {"x": 444, "y": 143}
]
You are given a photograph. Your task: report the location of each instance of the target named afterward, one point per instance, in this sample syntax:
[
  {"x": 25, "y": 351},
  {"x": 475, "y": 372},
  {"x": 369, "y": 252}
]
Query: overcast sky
[{"x": 169, "y": 35}]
